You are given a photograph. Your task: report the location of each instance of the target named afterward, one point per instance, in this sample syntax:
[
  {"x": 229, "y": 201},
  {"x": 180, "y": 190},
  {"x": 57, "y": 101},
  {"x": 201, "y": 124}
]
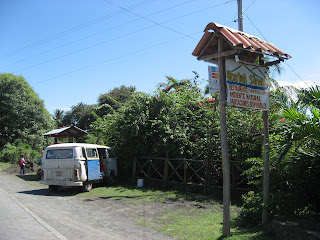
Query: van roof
[{"x": 59, "y": 145}]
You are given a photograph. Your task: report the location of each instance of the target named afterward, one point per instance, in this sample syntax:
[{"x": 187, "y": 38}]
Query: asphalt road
[{"x": 29, "y": 211}]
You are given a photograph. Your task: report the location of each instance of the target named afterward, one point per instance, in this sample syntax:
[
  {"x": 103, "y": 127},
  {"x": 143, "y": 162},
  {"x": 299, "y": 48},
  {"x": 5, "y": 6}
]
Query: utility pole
[{"x": 240, "y": 16}]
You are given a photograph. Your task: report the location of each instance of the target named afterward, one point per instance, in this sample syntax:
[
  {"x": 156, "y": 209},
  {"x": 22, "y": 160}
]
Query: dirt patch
[{"x": 15, "y": 169}]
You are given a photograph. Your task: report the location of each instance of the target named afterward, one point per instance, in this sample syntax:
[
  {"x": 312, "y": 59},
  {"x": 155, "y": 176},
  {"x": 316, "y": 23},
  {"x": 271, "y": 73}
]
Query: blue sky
[{"x": 72, "y": 51}]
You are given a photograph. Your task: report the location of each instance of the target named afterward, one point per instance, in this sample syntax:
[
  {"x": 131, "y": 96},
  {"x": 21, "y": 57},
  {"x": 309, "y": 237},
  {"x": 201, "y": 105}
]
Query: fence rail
[{"x": 189, "y": 171}]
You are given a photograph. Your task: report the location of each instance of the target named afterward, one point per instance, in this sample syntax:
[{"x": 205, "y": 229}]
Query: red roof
[{"x": 234, "y": 40}]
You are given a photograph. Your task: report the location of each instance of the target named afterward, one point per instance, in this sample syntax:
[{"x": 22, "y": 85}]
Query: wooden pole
[
  {"x": 224, "y": 142},
  {"x": 266, "y": 170},
  {"x": 134, "y": 169},
  {"x": 240, "y": 16},
  {"x": 185, "y": 174},
  {"x": 209, "y": 154},
  {"x": 166, "y": 170}
]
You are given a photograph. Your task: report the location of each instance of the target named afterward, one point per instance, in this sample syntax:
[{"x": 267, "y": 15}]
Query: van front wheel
[{"x": 87, "y": 186}]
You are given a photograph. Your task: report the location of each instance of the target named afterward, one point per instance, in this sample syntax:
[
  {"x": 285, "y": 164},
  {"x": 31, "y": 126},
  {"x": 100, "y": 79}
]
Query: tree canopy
[{"x": 22, "y": 113}]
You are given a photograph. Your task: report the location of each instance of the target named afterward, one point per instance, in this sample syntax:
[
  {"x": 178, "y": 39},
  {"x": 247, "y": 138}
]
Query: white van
[{"x": 77, "y": 164}]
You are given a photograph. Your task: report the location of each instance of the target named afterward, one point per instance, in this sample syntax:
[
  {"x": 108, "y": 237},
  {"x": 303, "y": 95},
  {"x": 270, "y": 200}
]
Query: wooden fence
[{"x": 189, "y": 171}]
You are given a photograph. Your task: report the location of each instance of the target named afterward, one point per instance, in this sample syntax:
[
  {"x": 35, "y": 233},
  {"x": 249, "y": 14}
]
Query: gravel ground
[{"x": 84, "y": 218}]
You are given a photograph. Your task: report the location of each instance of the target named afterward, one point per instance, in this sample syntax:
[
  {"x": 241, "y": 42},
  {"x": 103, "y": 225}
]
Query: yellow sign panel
[{"x": 247, "y": 85}]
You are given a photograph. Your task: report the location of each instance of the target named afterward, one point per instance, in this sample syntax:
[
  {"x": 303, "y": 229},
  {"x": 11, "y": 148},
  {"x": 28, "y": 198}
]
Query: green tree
[
  {"x": 176, "y": 119},
  {"x": 121, "y": 94},
  {"x": 294, "y": 155},
  {"x": 22, "y": 113},
  {"x": 58, "y": 118},
  {"x": 114, "y": 99},
  {"x": 80, "y": 115}
]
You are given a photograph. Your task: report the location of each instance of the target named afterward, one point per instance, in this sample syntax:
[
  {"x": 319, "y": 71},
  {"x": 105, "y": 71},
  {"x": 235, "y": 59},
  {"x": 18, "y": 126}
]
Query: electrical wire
[
  {"x": 127, "y": 34},
  {"x": 255, "y": 27},
  {"x": 35, "y": 44},
  {"x": 97, "y": 33},
  {"x": 249, "y": 6},
  {"x": 268, "y": 41},
  {"x": 115, "y": 58},
  {"x": 160, "y": 24}
]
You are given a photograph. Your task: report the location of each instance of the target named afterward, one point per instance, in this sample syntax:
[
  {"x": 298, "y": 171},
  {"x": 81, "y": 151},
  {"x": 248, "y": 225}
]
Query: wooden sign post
[
  {"x": 221, "y": 44},
  {"x": 266, "y": 168},
  {"x": 224, "y": 141}
]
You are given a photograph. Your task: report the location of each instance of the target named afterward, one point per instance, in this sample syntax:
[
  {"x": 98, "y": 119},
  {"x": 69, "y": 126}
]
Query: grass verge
[
  {"x": 196, "y": 217},
  {"x": 5, "y": 165}
]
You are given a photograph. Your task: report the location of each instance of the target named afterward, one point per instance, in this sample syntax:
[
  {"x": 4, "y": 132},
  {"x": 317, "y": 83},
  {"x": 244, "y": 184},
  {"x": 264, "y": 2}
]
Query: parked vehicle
[{"x": 77, "y": 164}]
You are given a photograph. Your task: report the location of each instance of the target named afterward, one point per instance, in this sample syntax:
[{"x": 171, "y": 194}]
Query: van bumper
[{"x": 62, "y": 183}]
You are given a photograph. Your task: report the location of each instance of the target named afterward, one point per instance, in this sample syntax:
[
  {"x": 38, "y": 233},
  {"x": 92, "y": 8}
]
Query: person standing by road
[{"x": 22, "y": 165}]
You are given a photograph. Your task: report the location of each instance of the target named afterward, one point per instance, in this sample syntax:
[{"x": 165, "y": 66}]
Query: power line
[
  {"x": 69, "y": 31},
  {"x": 296, "y": 74},
  {"x": 255, "y": 27},
  {"x": 268, "y": 41},
  {"x": 97, "y": 33},
  {"x": 249, "y": 6},
  {"x": 160, "y": 24},
  {"x": 155, "y": 24},
  {"x": 115, "y": 58}
]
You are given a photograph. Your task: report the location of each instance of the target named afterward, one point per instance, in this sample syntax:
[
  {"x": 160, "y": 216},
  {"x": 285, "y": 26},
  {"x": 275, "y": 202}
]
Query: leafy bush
[
  {"x": 11, "y": 152},
  {"x": 251, "y": 211}
]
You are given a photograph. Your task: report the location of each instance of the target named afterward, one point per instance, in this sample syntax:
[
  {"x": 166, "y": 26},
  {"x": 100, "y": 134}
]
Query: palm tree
[
  {"x": 58, "y": 117},
  {"x": 307, "y": 122}
]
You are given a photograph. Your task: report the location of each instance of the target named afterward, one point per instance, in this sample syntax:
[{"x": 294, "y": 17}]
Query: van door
[
  {"x": 112, "y": 165},
  {"x": 93, "y": 164},
  {"x": 59, "y": 164}
]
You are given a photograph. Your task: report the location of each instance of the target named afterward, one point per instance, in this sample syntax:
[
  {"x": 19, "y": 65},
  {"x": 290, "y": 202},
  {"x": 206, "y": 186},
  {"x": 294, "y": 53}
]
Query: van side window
[
  {"x": 92, "y": 153},
  {"x": 59, "y": 154}
]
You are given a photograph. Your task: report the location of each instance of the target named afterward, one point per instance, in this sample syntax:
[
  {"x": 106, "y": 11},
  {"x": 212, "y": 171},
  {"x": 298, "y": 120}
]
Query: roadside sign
[
  {"x": 247, "y": 85},
  {"x": 214, "y": 82}
]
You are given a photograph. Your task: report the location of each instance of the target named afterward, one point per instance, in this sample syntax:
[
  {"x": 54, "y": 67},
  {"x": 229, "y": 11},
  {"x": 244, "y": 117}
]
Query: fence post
[
  {"x": 166, "y": 170},
  {"x": 185, "y": 170},
  {"x": 134, "y": 168},
  {"x": 149, "y": 167}
]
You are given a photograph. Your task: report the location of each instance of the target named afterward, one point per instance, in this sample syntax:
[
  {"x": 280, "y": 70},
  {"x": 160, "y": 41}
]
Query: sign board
[
  {"x": 247, "y": 85},
  {"x": 214, "y": 82}
]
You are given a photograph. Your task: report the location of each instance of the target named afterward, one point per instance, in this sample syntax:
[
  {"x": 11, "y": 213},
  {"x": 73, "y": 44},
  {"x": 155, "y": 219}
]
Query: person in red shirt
[{"x": 22, "y": 165}]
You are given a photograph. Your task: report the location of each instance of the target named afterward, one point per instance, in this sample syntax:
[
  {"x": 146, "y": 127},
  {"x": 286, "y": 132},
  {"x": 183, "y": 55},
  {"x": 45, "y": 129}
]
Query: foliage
[
  {"x": 11, "y": 152},
  {"x": 120, "y": 95},
  {"x": 80, "y": 115},
  {"x": 178, "y": 120},
  {"x": 310, "y": 96},
  {"x": 251, "y": 211},
  {"x": 58, "y": 118},
  {"x": 244, "y": 128},
  {"x": 114, "y": 99},
  {"x": 172, "y": 120},
  {"x": 294, "y": 155},
  {"x": 22, "y": 113}
]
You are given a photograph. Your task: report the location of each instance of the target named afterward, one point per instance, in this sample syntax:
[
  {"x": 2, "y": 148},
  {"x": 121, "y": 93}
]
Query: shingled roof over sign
[{"x": 235, "y": 42}]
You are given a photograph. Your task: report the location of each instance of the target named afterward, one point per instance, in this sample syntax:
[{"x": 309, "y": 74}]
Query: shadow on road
[
  {"x": 62, "y": 192},
  {"x": 32, "y": 177}
]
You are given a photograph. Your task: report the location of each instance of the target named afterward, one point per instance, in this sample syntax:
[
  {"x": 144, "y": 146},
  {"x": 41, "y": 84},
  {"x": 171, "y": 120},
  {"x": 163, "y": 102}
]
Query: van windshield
[{"x": 59, "y": 154}]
